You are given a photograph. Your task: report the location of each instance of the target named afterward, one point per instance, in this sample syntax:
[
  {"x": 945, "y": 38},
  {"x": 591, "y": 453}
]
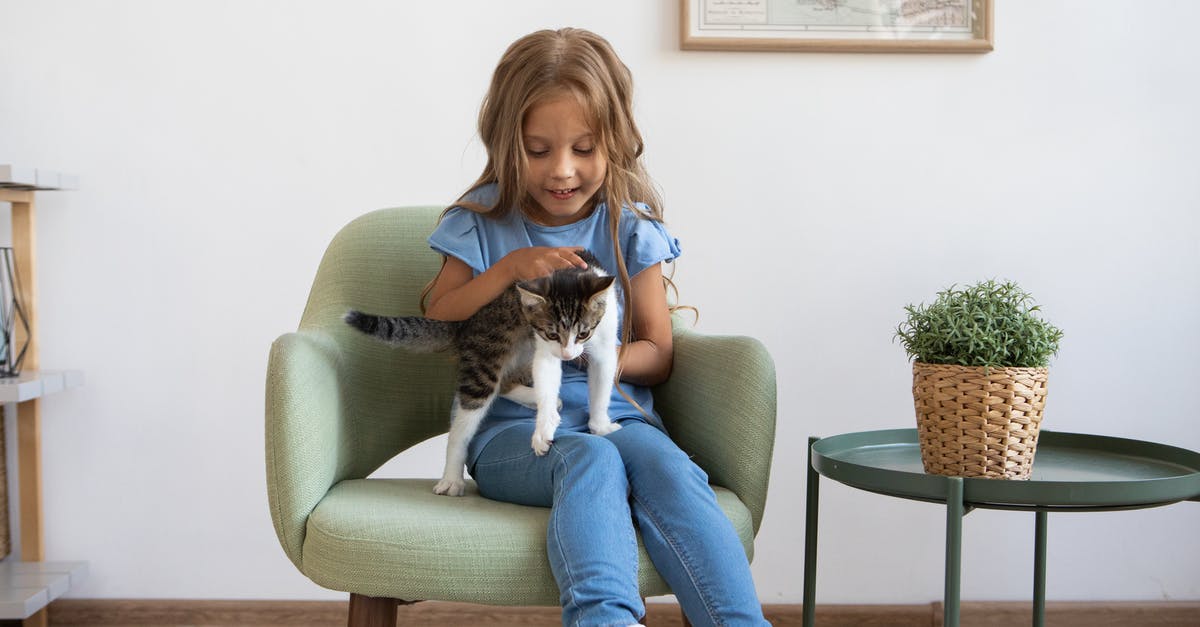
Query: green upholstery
[{"x": 339, "y": 405}]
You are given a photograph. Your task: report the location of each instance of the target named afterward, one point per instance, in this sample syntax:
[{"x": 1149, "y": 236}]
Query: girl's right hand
[
  {"x": 457, "y": 294},
  {"x": 535, "y": 262}
]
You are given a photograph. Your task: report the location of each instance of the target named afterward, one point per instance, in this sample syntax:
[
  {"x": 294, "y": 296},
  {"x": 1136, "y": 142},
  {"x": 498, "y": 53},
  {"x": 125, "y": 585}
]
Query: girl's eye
[
  {"x": 584, "y": 151},
  {"x": 538, "y": 153}
]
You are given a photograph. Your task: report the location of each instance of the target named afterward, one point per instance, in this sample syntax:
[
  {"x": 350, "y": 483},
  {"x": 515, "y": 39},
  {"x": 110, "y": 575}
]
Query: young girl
[{"x": 564, "y": 173}]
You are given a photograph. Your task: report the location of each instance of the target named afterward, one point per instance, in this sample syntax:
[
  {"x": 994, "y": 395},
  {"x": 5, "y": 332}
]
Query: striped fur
[{"x": 414, "y": 333}]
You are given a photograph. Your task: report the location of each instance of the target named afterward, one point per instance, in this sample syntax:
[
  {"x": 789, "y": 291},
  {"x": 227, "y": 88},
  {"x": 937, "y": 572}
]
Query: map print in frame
[{"x": 837, "y": 25}]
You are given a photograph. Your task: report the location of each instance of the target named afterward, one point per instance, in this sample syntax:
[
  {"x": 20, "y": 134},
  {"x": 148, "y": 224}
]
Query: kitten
[{"x": 521, "y": 337}]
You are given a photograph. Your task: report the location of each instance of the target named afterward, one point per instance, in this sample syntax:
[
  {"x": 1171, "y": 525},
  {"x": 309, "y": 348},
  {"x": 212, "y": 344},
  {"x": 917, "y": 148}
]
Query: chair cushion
[{"x": 396, "y": 538}]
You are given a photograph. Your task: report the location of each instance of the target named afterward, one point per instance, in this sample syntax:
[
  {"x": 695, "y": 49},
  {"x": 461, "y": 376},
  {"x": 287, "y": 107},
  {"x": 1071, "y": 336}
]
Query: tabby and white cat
[{"x": 521, "y": 337}]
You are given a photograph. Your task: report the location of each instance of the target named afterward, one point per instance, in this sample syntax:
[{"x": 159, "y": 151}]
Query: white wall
[{"x": 222, "y": 144}]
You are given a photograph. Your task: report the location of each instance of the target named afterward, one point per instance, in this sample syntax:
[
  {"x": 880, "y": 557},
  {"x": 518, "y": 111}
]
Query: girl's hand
[
  {"x": 535, "y": 262},
  {"x": 457, "y": 294}
]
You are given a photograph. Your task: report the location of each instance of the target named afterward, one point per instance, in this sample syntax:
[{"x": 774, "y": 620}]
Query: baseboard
[{"x": 167, "y": 613}]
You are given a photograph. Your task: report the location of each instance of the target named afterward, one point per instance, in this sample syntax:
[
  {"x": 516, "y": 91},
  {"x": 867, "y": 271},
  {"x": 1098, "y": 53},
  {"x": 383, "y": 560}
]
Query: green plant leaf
[{"x": 988, "y": 323}]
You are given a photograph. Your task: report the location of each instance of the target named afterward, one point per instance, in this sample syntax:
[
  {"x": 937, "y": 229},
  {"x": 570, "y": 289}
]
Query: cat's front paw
[
  {"x": 604, "y": 427},
  {"x": 543, "y": 430},
  {"x": 541, "y": 443},
  {"x": 450, "y": 487}
]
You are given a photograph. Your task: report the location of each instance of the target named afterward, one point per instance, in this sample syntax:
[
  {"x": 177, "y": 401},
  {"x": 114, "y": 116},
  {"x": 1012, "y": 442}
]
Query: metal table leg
[
  {"x": 810, "y": 541},
  {"x": 954, "y": 516},
  {"x": 1039, "y": 571}
]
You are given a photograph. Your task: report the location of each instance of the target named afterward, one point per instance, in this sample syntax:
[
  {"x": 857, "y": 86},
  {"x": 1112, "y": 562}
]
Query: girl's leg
[
  {"x": 691, "y": 542},
  {"x": 590, "y": 538}
]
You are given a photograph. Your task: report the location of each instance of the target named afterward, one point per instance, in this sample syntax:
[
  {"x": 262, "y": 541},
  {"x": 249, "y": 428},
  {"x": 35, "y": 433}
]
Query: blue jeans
[{"x": 599, "y": 490}]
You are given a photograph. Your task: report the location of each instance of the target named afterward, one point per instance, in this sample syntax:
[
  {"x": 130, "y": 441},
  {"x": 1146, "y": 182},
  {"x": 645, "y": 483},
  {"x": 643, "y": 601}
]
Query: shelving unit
[{"x": 29, "y": 584}]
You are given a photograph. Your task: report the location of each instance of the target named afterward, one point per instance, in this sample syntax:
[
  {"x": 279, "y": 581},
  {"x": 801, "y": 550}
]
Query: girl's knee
[{"x": 587, "y": 454}]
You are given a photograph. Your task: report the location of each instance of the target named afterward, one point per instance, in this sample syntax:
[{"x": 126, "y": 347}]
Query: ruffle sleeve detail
[
  {"x": 647, "y": 243},
  {"x": 457, "y": 235}
]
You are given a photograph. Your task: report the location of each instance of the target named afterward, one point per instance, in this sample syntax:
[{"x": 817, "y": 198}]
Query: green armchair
[{"x": 339, "y": 405}]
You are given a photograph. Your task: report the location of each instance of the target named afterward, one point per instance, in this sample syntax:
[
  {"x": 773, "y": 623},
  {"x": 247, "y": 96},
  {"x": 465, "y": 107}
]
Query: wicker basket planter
[{"x": 973, "y": 422}]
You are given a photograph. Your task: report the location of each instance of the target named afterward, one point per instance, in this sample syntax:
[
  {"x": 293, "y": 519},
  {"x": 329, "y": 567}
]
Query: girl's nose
[{"x": 564, "y": 167}]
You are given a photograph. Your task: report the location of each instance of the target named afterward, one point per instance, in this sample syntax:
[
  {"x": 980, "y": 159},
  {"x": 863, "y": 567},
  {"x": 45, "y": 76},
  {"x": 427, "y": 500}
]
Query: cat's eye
[
  {"x": 584, "y": 335},
  {"x": 552, "y": 336}
]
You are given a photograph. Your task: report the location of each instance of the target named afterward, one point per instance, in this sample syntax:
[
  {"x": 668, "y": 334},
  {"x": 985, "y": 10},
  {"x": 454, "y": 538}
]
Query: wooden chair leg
[
  {"x": 684, "y": 618},
  {"x": 368, "y": 611}
]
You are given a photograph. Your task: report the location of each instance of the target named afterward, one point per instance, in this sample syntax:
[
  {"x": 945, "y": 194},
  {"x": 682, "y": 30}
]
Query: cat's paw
[
  {"x": 543, "y": 430},
  {"x": 450, "y": 487},
  {"x": 603, "y": 428},
  {"x": 541, "y": 444}
]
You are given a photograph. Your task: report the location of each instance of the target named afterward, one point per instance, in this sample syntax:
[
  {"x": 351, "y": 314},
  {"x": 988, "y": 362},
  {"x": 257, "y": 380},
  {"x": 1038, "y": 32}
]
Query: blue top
[{"x": 480, "y": 242}]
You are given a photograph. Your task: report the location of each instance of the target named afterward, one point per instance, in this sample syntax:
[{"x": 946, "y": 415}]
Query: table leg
[
  {"x": 810, "y": 541},
  {"x": 1039, "y": 571},
  {"x": 954, "y": 516}
]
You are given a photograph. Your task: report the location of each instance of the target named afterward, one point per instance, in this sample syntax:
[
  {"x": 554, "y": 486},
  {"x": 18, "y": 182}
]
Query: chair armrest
[
  {"x": 719, "y": 406},
  {"x": 305, "y": 410}
]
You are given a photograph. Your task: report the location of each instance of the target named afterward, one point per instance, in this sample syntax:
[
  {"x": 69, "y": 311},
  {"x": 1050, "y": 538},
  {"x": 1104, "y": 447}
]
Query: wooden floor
[{"x": 193, "y": 613}]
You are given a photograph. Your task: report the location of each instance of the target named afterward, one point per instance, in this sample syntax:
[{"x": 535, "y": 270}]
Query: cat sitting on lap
[{"x": 522, "y": 336}]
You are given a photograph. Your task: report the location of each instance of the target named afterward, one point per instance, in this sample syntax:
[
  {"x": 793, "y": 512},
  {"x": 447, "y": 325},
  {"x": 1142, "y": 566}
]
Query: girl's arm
[
  {"x": 457, "y": 296},
  {"x": 647, "y": 360}
]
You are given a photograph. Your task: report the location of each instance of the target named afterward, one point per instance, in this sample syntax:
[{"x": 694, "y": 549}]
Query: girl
[{"x": 564, "y": 173}]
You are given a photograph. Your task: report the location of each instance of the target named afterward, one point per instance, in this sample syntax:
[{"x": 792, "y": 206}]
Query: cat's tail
[{"x": 412, "y": 332}]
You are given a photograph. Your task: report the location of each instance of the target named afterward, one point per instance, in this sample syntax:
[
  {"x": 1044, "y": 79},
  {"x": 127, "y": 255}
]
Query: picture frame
[{"x": 927, "y": 26}]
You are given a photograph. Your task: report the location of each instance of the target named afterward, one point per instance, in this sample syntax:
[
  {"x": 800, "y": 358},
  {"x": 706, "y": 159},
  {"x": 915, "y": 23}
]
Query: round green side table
[{"x": 1072, "y": 472}]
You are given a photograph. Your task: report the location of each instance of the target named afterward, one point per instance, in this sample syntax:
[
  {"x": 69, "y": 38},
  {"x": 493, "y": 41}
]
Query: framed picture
[{"x": 837, "y": 25}]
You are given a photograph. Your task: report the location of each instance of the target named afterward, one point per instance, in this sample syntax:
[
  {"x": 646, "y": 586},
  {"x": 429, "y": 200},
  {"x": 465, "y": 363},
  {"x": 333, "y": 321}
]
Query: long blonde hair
[{"x": 544, "y": 65}]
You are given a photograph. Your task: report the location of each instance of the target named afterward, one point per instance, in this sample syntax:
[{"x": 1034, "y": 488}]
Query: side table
[{"x": 1072, "y": 473}]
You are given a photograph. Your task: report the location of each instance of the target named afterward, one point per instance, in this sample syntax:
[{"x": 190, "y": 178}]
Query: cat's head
[{"x": 564, "y": 308}]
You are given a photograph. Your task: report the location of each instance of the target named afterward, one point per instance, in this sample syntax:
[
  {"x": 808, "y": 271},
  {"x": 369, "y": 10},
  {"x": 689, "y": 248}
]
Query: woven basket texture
[{"x": 973, "y": 422}]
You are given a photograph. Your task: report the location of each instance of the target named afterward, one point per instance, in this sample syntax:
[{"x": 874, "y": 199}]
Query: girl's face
[{"x": 565, "y": 168}]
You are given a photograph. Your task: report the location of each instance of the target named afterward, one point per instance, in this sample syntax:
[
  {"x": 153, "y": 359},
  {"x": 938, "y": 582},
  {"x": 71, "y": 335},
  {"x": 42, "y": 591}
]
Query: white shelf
[
  {"x": 26, "y": 587},
  {"x": 38, "y": 383},
  {"x": 26, "y": 178}
]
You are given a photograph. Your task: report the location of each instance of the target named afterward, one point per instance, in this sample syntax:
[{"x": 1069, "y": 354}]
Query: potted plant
[{"x": 980, "y": 357}]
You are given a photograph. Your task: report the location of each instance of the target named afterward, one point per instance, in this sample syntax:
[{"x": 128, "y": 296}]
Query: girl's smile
[{"x": 564, "y": 167}]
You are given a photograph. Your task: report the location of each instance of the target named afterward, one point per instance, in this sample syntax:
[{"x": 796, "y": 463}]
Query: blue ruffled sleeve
[
  {"x": 458, "y": 236},
  {"x": 647, "y": 242}
]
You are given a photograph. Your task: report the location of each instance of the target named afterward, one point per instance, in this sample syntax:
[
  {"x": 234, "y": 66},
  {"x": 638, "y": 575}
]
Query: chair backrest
[{"x": 393, "y": 399}]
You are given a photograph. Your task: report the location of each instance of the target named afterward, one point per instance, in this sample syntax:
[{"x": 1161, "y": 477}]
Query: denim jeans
[{"x": 599, "y": 490}]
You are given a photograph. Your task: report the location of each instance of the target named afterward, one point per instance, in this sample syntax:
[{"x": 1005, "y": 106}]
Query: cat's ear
[
  {"x": 597, "y": 284},
  {"x": 596, "y": 288},
  {"x": 530, "y": 292}
]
